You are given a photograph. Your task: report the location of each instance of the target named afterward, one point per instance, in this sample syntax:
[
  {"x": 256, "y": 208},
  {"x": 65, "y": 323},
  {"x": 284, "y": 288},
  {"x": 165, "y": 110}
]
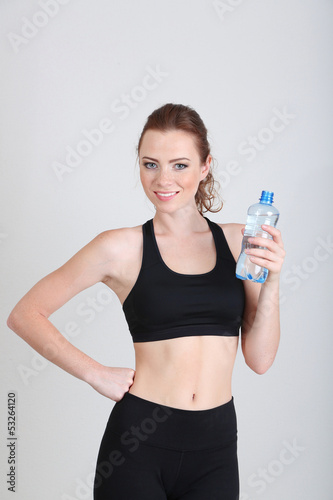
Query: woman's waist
[
  {"x": 192, "y": 391},
  {"x": 171, "y": 427}
]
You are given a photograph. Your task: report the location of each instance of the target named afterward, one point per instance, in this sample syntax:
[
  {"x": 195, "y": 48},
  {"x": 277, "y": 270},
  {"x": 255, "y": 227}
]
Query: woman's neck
[{"x": 179, "y": 223}]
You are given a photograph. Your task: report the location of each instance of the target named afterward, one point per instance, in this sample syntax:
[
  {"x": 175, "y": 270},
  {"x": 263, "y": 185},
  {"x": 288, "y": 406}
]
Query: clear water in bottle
[{"x": 258, "y": 214}]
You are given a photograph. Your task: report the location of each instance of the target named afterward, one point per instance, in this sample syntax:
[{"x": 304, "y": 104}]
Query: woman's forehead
[{"x": 171, "y": 141}]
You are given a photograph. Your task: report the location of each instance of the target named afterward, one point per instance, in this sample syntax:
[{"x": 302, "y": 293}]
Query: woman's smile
[{"x": 166, "y": 195}]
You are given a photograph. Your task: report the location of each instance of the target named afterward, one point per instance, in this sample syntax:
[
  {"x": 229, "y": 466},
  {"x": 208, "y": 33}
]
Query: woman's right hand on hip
[{"x": 112, "y": 382}]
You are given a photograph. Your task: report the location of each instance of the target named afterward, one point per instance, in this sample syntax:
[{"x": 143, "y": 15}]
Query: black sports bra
[{"x": 164, "y": 304}]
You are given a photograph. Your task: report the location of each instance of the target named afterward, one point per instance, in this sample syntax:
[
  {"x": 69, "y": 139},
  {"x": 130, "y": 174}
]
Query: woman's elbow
[
  {"x": 12, "y": 321},
  {"x": 259, "y": 368}
]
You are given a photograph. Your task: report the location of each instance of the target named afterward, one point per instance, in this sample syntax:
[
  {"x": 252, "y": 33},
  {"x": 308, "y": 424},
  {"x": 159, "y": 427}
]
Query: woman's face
[{"x": 170, "y": 169}]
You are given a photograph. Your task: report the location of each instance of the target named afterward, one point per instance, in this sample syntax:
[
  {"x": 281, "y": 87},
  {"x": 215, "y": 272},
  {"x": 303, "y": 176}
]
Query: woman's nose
[{"x": 165, "y": 176}]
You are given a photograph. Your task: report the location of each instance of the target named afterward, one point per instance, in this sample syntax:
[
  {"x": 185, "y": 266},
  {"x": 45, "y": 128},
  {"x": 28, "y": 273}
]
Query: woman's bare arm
[
  {"x": 260, "y": 332},
  {"x": 261, "y": 325},
  {"x": 29, "y": 318}
]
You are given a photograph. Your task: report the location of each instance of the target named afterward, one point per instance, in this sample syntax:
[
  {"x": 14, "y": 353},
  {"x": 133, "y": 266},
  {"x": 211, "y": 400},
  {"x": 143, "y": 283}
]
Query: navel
[{"x": 193, "y": 396}]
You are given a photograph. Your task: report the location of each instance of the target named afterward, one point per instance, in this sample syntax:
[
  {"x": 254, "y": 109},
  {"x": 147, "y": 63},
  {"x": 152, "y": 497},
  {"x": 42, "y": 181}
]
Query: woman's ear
[{"x": 206, "y": 167}]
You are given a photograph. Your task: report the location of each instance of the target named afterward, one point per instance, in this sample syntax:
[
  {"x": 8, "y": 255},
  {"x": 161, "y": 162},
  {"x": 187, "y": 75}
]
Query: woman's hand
[
  {"x": 112, "y": 382},
  {"x": 272, "y": 258}
]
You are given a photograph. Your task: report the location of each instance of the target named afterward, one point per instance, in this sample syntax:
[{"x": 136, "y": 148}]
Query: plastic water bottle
[{"x": 257, "y": 214}]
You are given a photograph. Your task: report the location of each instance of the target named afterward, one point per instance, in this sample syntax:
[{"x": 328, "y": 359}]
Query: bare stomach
[{"x": 192, "y": 373}]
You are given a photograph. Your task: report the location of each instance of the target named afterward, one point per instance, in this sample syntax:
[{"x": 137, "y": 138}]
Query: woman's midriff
[{"x": 192, "y": 373}]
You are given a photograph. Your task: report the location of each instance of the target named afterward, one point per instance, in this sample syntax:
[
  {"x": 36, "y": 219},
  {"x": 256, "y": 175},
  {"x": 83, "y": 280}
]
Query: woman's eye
[{"x": 152, "y": 166}]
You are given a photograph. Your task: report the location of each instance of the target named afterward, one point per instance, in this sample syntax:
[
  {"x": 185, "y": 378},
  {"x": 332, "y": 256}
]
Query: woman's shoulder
[
  {"x": 231, "y": 227},
  {"x": 122, "y": 232},
  {"x": 117, "y": 249},
  {"x": 233, "y": 234},
  {"x": 122, "y": 238}
]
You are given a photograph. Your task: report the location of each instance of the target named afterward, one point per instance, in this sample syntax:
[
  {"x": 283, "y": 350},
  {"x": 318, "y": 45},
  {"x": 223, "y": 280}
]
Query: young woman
[{"x": 172, "y": 433}]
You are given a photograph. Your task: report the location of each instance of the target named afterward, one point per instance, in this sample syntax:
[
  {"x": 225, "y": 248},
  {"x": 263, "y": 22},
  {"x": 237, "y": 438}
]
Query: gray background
[{"x": 238, "y": 63}]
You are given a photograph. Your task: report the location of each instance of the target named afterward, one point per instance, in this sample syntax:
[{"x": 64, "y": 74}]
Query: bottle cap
[{"x": 266, "y": 197}]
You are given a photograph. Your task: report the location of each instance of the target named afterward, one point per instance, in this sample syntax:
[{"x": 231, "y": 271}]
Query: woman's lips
[{"x": 166, "y": 195}]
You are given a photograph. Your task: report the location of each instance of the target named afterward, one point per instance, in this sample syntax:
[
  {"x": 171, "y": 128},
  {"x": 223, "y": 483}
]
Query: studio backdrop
[{"x": 79, "y": 79}]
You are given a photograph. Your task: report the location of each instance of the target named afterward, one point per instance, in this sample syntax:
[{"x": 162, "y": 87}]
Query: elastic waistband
[
  {"x": 187, "y": 331},
  {"x": 174, "y": 428}
]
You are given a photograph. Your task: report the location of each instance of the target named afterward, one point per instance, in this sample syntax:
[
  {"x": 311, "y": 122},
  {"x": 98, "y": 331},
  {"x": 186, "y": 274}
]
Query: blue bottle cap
[{"x": 266, "y": 197}]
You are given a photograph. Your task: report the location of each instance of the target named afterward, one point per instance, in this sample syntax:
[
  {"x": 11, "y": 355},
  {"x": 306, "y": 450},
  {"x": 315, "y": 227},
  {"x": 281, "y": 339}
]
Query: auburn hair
[{"x": 180, "y": 117}]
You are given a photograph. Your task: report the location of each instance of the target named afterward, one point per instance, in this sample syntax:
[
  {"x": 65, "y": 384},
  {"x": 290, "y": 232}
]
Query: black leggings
[{"x": 150, "y": 451}]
